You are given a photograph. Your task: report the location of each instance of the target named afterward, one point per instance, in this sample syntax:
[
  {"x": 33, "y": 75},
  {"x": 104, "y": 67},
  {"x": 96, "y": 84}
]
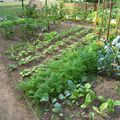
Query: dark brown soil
[{"x": 107, "y": 87}]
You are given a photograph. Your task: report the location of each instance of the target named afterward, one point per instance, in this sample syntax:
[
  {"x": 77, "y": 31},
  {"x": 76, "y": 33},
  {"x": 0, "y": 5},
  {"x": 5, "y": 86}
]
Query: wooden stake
[
  {"x": 46, "y": 3},
  {"x": 118, "y": 24},
  {"x": 96, "y": 15},
  {"x": 102, "y": 21},
  {"x": 108, "y": 31},
  {"x": 22, "y": 4}
]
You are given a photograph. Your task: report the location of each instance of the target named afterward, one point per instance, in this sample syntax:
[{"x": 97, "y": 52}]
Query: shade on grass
[{"x": 11, "y": 8}]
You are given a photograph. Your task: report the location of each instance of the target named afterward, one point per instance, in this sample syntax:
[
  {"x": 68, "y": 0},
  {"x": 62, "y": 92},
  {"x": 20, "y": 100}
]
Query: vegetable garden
[{"x": 66, "y": 64}]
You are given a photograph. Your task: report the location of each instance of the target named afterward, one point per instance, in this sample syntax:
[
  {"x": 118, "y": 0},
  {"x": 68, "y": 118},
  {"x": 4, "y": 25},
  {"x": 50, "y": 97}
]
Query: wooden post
[
  {"x": 102, "y": 21},
  {"x": 46, "y": 3},
  {"x": 103, "y": 4},
  {"x": 96, "y": 15},
  {"x": 108, "y": 31},
  {"x": 22, "y": 4},
  {"x": 85, "y": 9},
  {"x": 118, "y": 24}
]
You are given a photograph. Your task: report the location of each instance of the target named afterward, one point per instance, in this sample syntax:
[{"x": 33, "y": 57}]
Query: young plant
[{"x": 107, "y": 107}]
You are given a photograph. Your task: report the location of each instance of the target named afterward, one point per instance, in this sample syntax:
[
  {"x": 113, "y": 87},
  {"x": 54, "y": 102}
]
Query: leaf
[
  {"x": 110, "y": 102},
  {"x": 92, "y": 115},
  {"x": 57, "y": 106},
  {"x": 96, "y": 109},
  {"x": 88, "y": 99},
  {"x": 54, "y": 100},
  {"x": 45, "y": 98},
  {"x": 103, "y": 106},
  {"x": 71, "y": 85},
  {"x": 84, "y": 78},
  {"x": 61, "y": 96},
  {"x": 87, "y": 85},
  {"x": 67, "y": 93},
  {"x": 101, "y": 98},
  {"x": 110, "y": 105},
  {"x": 83, "y": 106},
  {"x": 93, "y": 95},
  {"x": 117, "y": 103}
]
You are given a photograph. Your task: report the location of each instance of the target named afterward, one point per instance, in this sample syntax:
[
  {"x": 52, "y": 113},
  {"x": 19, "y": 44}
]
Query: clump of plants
[
  {"x": 109, "y": 60},
  {"x": 52, "y": 80},
  {"x": 25, "y": 25}
]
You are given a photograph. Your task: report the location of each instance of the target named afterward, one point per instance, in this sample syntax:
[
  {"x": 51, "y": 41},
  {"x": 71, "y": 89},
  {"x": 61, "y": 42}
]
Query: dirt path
[{"x": 10, "y": 107}]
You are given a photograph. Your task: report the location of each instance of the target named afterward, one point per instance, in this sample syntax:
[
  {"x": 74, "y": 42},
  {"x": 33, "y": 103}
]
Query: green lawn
[{"x": 11, "y": 8}]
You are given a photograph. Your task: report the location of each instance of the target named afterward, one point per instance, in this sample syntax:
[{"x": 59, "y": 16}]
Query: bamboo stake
[
  {"x": 97, "y": 8},
  {"x": 46, "y": 3},
  {"x": 22, "y": 4},
  {"x": 102, "y": 21},
  {"x": 85, "y": 9},
  {"x": 108, "y": 31},
  {"x": 118, "y": 24}
]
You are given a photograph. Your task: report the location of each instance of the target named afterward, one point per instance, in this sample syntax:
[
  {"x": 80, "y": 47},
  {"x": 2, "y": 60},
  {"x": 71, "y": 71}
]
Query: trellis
[{"x": 109, "y": 19}]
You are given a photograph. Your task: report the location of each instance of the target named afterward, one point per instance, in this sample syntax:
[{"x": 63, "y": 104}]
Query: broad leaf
[
  {"x": 54, "y": 100},
  {"x": 103, "y": 106},
  {"x": 67, "y": 93},
  {"x": 61, "y": 96},
  {"x": 117, "y": 103},
  {"x": 92, "y": 115},
  {"x": 71, "y": 85},
  {"x": 88, "y": 99},
  {"x": 101, "y": 98},
  {"x": 83, "y": 106},
  {"x": 45, "y": 98},
  {"x": 96, "y": 109},
  {"x": 57, "y": 106},
  {"x": 87, "y": 85}
]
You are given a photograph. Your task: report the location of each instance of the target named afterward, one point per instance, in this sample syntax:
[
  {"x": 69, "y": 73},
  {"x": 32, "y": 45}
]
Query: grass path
[{"x": 11, "y": 8}]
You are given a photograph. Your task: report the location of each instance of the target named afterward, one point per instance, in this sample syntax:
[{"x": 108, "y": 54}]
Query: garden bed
[
  {"x": 72, "y": 36},
  {"x": 63, "y": 70}
]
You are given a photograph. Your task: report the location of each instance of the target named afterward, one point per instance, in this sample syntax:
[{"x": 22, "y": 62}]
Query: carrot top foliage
[{"x": 52, "y": 80}]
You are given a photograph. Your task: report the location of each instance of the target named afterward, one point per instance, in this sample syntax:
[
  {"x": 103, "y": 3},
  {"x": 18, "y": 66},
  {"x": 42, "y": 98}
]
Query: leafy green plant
[
  {"x": 71, "y": 66},
  {"x": 92, "y": 116},
  {"x": 107, "y": 106},
  {"x": 12, "y": 67}
]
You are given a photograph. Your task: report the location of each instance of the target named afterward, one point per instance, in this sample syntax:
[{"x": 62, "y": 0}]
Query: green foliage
[
  {"x": 90, "y": 37},
  {"x": 53, "y": 79},
  {"x": 12, "y": 67},
  {"x": 27, "y": 25},
  {"x": 30, "y": 12},
  {"x": 92, "y": 116},
  {"x": 77, "y": 1},
  {"x": 32, "y": 21},
  {"x": 108, "y": 59},
  {"x": 106, "y": 107}
]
